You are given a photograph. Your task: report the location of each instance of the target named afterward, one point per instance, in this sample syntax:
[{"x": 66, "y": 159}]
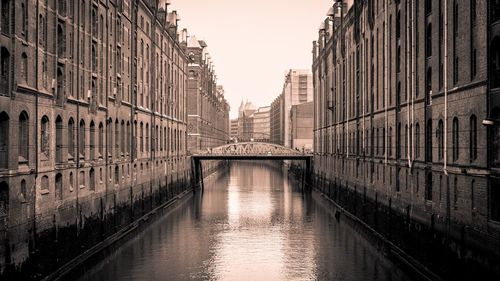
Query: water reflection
[{"x": 248, "y": 225}]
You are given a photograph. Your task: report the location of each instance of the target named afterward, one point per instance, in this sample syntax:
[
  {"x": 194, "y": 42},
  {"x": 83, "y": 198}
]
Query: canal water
[{"x": 251, "y": 223}]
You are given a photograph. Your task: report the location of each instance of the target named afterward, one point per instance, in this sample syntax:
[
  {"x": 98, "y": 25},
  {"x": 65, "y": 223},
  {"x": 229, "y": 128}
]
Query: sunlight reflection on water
[{"x": 250, "y": 224}]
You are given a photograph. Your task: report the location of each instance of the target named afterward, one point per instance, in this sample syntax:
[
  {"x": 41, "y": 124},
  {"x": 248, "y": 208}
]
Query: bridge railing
[{"x": 253, "y": 148}]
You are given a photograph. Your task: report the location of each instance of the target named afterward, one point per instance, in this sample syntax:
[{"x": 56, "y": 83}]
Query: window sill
[{"x": 44, "y": 191}]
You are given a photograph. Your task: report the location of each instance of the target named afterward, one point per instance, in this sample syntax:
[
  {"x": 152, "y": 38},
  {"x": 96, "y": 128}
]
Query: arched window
[
  {"x": 398, "y": 142},
  {"x": 94, "y": 22},
  {"x": 41, "y": 30},
  {"x": 71, "y": 138},
  {"x": 4, "y": 140},
  {"x": 472, "y": 197},
  {"x": 5, "y": 17},
  {"x": 101, "y": 140},
  {"x": 142, "y": 49},
  {"x": 383, "y": 141},
  {"x": 127, "y": 139},
  {"x": 24, "y": 21},
  {"x": 155, "y": 137},
  {"x": 81, "y": 139},
  {"x": 398, "y": 24},
  {"x": 24, "y": 67},
  {"x": 4, "y": 199},
  {"x": 428, "y": 142},
  {"x": 455, "y": 135},
  {"x": 23, "y": 137},
  {"x": 59, "y": 189},
  {"x": 71, "y": 181},
  {"x": 428, "y": 6},
  {"x": 92, "y": 140},
  {"x": 142, "y": 137},
  {"x": 147, "y": 138},
  {"x": 59, "y": 136},
  {"x": 440, "y": 139},
  {"x": 44, "y": 184},
  {"x": 473, "y": 138},
  {"x": 428, "y": 187},
  {"x": 110, "y": 138},
  {"x": 61, "y": 6},
  {"x": 117, "y": 138},
  {"x": 4, "y": 71},
  {"x": 45, "y": 135},
  {"x": 417, "y": 140},
  {"x": 495, "y": 60},
  {"x": 93, "y": 53},
  {"x": 60, "y": 92},
  {"x": 405, "y": 143},
  {"x": 389, "y": 145},
  {"x": 428, "y": 41},
  {"x": 81, "y": 179},
  {"x": 117, "y": 175},
  {"x": 398, "y": 93},
  {"x": 24, "y": 190},
  {"x": 122, "y": 137},
  {"x": 61, "y": 41},
  {"x": 455, "y": 192},
  {"x": 428, "y": 87},
  {"x": 92, "y": 179},
  {"x": 101, "y": 35}
]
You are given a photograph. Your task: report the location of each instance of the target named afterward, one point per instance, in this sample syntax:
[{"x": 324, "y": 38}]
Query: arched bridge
[{"x": 248, "y": 151}]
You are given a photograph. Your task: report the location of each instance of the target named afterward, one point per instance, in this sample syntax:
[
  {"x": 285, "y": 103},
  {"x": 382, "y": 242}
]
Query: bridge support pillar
[
  {"x": 197, "y": 171},
  {"x": 308, "y": 173}
]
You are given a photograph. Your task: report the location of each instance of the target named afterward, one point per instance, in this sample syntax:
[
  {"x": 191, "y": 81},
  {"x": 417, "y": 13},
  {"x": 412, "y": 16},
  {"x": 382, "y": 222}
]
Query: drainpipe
[
  {"x": 36, "y": 128},
  {"x": 413, "y": 83},
  {"x": 445, "y": 70},
  {"x": 407, "y": 86},
  {"x": 77, "y": 125},
  {"x": 386, "y": 31}
]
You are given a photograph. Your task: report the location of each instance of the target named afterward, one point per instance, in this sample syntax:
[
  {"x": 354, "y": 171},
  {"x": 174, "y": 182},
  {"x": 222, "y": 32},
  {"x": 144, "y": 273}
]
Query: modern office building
[
  {"x": 297, "y": 89},
  {"x": 234, "y": 129},
  {"x": 245, "y": 121},
  {"x": 301, "y": 126},
  {"x": 275, "y": 126},
  {"x": 261, "y": 124}
]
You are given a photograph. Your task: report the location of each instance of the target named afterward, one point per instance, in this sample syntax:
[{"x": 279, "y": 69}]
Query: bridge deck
[{"x": 251, "y": 157}]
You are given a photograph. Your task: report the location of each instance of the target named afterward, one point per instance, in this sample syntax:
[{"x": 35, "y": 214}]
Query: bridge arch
[
  {"x": 248, "y": 151},
  {"x": 252, "y": 149}
]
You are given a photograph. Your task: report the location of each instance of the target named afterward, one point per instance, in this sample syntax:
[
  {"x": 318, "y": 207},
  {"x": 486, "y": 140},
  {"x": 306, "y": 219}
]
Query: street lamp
[{"x": 488, "y": 122}]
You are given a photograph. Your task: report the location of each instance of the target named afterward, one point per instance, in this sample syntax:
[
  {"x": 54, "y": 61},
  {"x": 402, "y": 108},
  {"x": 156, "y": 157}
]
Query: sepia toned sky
[{"x": 253, "y": 42}]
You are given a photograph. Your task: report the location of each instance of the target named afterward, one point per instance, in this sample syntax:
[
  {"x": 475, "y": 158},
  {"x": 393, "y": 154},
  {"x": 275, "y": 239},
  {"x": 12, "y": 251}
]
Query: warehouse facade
[{"x": 401, "y": 92}]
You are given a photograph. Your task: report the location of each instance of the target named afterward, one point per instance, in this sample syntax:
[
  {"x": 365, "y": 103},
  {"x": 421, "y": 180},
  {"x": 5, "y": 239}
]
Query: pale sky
[{"x": 253, "y": 42}]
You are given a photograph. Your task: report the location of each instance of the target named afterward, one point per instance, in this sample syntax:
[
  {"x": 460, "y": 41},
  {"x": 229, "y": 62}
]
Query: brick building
[
  {"x": 401, "y": 92},
  {"x": 208, "y": 110},
  {"x": 92, "y": 122}
]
